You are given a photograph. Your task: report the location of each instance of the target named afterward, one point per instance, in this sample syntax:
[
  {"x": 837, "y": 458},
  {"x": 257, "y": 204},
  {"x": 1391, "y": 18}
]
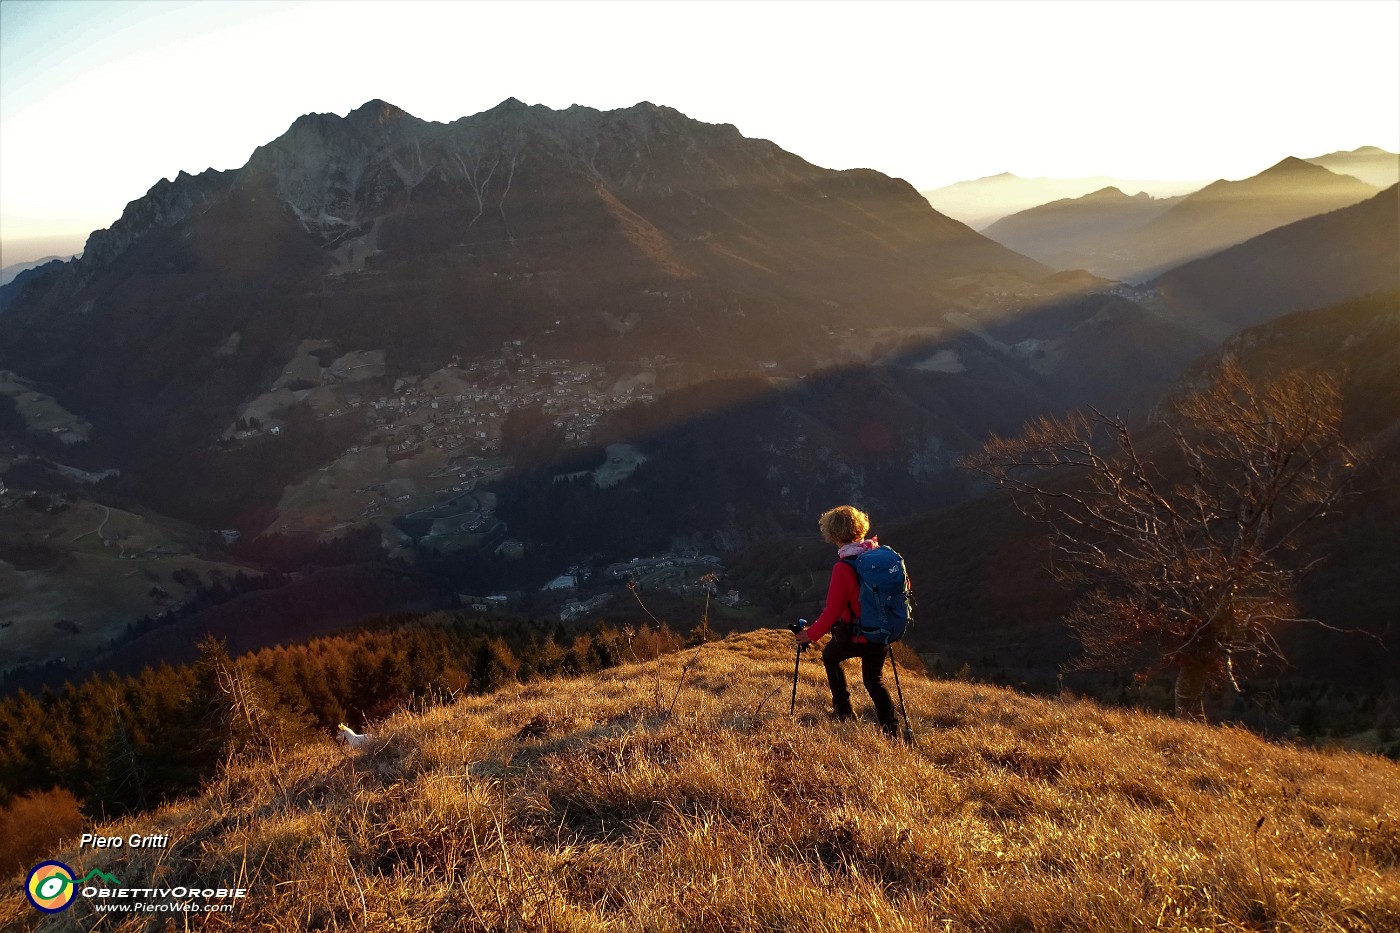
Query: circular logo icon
[{"x": 50, "y": 887}]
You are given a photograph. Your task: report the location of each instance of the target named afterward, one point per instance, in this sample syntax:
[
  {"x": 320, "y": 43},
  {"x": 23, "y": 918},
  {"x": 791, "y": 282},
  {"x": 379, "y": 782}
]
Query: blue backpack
[{"x": 885, "y": 609}]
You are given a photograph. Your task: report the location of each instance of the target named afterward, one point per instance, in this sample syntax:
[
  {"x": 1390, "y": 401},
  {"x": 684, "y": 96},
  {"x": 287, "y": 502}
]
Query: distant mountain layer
[
  {"x": 1228, "y": 212},
  {"x": 1372, "y": 165},
  {"x": 1307, "y": 264},
  {"x": 1117, "y": 237},
  {"x": 1079, "y": 233},
  {"x": 983, "y": 201},
  {"x": 10, "y": 273}
]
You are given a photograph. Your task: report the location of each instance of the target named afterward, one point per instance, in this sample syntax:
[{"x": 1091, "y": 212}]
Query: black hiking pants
[{"x": 872, "y": 667}]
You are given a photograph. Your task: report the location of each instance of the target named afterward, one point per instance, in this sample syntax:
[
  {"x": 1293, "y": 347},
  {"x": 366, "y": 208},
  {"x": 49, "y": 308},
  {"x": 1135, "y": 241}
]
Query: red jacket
[
  {"x": 843, "y": 595},
  {"x": 842, "y": 600}
]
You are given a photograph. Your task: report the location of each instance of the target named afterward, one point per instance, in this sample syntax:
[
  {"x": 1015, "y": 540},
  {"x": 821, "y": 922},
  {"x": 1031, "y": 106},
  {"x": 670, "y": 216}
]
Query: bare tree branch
[{"x": 1190, "y": 562}]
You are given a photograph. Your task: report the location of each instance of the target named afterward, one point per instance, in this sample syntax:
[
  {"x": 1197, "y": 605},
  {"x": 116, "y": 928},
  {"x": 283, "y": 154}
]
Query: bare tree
[{"x": 1187, "y": 559}]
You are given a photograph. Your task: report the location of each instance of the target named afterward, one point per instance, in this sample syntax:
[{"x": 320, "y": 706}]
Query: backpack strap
[{"x": 851, "y": 608}]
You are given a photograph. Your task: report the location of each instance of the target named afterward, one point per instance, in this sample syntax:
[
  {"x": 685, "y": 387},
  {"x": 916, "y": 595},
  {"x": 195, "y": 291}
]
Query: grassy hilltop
[{"x": 678, "y": 795}]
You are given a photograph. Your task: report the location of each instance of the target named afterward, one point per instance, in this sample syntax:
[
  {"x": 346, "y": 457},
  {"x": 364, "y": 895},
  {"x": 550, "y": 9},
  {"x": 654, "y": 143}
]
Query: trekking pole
[
  {"x": 796, "y": 627},
  {"x": 908, "y": 732}
]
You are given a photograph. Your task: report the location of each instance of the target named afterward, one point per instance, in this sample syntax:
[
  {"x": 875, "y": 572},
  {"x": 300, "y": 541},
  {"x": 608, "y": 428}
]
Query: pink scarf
[{"x": 857, "y": 548}]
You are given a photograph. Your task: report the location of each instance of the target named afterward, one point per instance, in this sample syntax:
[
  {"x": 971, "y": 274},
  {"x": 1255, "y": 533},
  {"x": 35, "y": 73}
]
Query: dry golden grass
[{"x": 595, "y": 804}]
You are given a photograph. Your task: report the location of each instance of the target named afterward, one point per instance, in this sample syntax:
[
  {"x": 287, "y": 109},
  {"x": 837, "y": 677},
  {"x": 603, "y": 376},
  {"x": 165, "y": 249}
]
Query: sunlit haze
[{"x": 99, "y": 100}]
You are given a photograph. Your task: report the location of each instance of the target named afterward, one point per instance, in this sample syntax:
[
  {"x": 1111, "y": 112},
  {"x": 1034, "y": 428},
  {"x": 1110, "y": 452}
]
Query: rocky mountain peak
[
  {"x": 351, "y": 182},
  {"x": 377, "y": 112},
  {"x": 509, "y": 105}
]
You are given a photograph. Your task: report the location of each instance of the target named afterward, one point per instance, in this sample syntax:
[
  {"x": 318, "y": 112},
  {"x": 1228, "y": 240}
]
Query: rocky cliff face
[
  {"x": 336, "y": 174},
  {"x": 497, "y": 222},
  {"x": 165, "y": 205},
  {"x": 580, "y": 235}
]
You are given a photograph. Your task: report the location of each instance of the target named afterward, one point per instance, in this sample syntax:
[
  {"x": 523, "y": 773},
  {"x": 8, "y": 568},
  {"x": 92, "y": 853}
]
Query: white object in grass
[{"x": 352, "y": 738}]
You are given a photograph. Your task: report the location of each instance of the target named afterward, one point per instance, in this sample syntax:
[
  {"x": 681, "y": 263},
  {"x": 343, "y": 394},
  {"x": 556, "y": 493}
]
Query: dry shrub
[{"x": 34, "y": 825}]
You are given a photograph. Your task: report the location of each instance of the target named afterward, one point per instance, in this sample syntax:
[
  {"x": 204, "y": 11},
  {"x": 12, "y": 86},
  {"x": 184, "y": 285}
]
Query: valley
[{"x": 565, "y": 338}]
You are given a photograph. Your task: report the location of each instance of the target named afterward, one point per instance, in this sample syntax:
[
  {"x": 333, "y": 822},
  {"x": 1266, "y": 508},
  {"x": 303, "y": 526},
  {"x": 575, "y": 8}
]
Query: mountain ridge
[
  {"x": 1228, "y": 212},
  {"x": 1082, "y": 232},
  {"x": 606, "y": 236},
  {"x": 414, "y": 329},
  {"x": 363, "y": 188},
  {"x": 984, "y": 201},
  {"x": 1135, "y": 240},
  {"x": 1281, "y": 271},
  {"x": 1371, "y": 164},
  {"x": 253, "y": 348}
]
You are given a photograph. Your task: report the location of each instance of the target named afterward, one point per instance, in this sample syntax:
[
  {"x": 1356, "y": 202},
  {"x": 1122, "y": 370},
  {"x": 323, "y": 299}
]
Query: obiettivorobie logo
[{"x": 51, "y": 886}]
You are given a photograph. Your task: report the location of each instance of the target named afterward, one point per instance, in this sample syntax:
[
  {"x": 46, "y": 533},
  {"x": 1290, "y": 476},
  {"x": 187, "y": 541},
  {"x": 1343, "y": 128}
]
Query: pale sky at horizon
[{"x": 99, "y": 100}]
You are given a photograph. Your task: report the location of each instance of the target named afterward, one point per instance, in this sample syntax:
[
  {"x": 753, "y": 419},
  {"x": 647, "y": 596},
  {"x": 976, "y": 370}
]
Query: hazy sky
[{"x": 99, "y": 100}]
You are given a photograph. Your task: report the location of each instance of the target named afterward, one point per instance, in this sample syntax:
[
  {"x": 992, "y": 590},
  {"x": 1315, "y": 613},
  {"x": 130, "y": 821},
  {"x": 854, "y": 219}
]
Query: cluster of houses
[
  {"x": 639, "y": 567},
  {"x": 685, "y": 573},
  {"x": 563, "y": 389},
  {"x": 486, "y": 391},
  {"x": 243, "y": 434},
  {"x": 577, "y": 609},
  {"x": 571, "y": 579},
  {"x": 474, "y": 414}
]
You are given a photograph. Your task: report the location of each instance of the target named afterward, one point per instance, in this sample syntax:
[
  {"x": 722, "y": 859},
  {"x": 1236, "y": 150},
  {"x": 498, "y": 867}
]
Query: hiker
[{"x": 846, "y": 528}]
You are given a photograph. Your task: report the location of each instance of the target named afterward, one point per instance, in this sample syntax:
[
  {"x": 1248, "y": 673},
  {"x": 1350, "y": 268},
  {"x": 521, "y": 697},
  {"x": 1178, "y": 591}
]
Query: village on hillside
[
  {"x": 429, "y": 443},
  {"x": 461, "y": 406}
]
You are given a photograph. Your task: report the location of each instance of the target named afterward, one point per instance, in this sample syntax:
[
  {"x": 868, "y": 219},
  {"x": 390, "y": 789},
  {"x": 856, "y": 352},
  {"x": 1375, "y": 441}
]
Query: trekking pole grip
[{"x": 796, "y": 627}]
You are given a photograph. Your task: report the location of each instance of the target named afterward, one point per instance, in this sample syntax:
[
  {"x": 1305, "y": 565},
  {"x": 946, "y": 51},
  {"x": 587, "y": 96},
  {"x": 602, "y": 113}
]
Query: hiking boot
[{"x": 838, "y": 715}]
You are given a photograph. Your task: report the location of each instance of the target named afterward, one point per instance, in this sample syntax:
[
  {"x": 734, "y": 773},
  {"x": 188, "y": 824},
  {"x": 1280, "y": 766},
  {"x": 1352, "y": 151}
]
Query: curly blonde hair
[{"x": 844, "y": 524}]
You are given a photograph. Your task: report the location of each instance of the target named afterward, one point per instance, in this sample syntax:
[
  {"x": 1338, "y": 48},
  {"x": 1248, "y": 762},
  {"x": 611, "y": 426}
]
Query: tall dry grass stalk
[{"x": 605, "y": 804}]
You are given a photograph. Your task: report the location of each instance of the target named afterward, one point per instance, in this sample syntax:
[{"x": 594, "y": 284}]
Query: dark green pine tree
[
  {"x": 120, "y": 785},
  {"x": 494, "y": 665}
]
